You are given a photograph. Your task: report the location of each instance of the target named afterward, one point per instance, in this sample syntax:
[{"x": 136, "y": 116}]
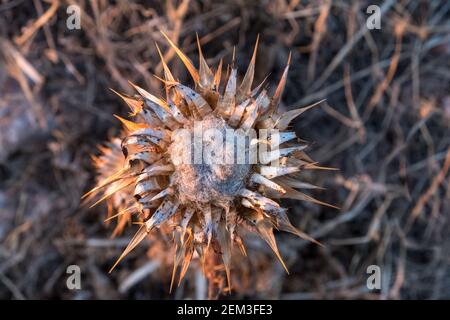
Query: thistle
[
  {"x": 110, "y": 161},
  {"x": 209, "y": 207}
]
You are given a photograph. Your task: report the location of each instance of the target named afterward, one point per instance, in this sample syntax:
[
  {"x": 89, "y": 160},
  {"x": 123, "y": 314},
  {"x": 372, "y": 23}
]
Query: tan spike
[
  {"x": 273, "y": 171},
  {"x": 295, "y": 183},
  {"x": 167, "y": 82},
  {"x": 314, "y": 166},
  {"x": 260, "y": 179},
  {"x": 249, "y": 117},
  {"x": 206, "y": 77},
  {"x": 167, "y": 73},
  {"x": 283, "y": 224},
  {"x": 138, "y": 237},
  {"x": 176, "y": 113},
  {"x": 303, "y": 156},
  {"x": 144, "y": 187},
  {"x": 256, "y": 90},
  {"x": 166, "y": 210},
  {"x": 113, "y": 178},
  {"x": 151, "y": 118},
  {"x": 122, "y": 221},
  {"x": 218, "y": 75},
  {"x": 294, "y": 194},
  {"x": 134, "y": 104},
  {"x": 224, "y": 241},
  {"x": 159, "y": 106},
  {"x": 179, "y": 253},
  {"x": 188, "y": 213},
  {"x": 238, "y": 111},
  {"x": 261, "y": 202},
  {"x": 300, "y": 234},
  {"x": 114, "y": 189},
  {"x": 187, "y": 259},
  {"x": 226, "y": 102},
  {"x": 246, "y": 85},
  {"x": 187, "y": 62},
  {"x": 202, "y": 254},
  {"x": 197, "y": 100},
  {"x": 147, "y": 95},
  {"x": 240, "y": 243},
  {"x": 280, "y": 88},
  {"x": 263, "y": 102},
  {"x": 162, "y": 194},
  {"x": 265, "y": 231},
  {"x": 233, "y": 57},
  {"x": 278, "y": 153},
  {"x": 130, "y": 125},
  {"x": 283, "y": 121},
  {"x": 121, "y": 212}
]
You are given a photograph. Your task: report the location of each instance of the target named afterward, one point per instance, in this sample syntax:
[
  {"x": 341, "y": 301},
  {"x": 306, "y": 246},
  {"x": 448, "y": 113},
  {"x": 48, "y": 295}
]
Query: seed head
[{"x": 210, "y": 203}]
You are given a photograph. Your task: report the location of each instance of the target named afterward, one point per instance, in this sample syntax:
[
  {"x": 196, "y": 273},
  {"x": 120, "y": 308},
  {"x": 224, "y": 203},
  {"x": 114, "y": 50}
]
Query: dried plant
[
  {"x": 111, "y": 160},
  {"x": 209, "y": 207}
]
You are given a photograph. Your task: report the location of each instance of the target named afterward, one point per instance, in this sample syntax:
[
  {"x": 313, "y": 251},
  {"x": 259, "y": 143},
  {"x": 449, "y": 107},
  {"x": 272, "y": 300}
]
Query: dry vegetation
[{"x": 385, "y": 126}]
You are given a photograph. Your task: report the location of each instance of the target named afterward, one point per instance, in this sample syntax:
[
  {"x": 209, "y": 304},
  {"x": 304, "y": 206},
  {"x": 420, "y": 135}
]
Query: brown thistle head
[{"x": 209, "y": 199}]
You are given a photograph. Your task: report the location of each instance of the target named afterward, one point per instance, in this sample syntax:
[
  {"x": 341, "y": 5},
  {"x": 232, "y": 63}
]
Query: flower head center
[{"x": 205, "y": 170}]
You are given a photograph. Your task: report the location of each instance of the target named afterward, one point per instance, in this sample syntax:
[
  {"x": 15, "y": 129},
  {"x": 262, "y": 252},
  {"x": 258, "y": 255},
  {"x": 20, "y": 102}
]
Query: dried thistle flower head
[
  {"x": 110, "y": 161},
  {"x": 209, "y": 199}
]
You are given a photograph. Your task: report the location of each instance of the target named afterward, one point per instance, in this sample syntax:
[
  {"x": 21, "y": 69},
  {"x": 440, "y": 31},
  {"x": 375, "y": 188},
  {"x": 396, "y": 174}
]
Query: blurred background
[{"x": 385, "y": 125}]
